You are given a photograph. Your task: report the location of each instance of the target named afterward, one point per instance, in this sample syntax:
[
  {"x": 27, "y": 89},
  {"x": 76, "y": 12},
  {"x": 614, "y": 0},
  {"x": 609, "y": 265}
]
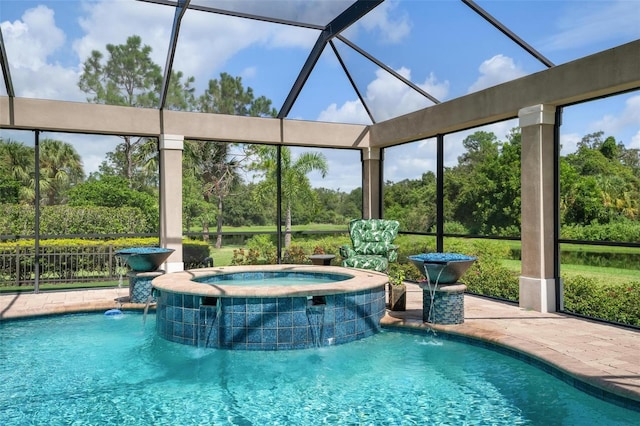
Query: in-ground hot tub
[{"x": 269, "y": 307}]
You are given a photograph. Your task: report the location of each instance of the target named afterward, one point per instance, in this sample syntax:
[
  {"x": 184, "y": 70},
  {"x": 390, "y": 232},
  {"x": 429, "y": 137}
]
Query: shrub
[
  {"x": 195, "y": 253},
  {"x": 65, "y": 220},
  {"x": 612, "y": 302}
]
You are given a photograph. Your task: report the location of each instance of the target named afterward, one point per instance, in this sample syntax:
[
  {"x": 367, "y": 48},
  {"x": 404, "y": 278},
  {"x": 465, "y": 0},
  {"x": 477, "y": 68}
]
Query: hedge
[{"x": 65, "y": 220}]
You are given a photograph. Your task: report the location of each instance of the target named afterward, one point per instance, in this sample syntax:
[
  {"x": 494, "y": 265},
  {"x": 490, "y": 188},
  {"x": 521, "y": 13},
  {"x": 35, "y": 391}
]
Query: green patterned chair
[{"x": 373, "y": 246}]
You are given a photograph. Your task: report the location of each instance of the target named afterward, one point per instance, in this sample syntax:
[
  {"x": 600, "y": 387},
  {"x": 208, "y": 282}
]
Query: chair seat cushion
[{"x": 373, "y": 262}]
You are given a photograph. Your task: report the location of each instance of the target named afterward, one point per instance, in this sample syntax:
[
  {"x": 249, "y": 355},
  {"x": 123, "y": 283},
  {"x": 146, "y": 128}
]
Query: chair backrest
[{"x": 373, "y": 236}]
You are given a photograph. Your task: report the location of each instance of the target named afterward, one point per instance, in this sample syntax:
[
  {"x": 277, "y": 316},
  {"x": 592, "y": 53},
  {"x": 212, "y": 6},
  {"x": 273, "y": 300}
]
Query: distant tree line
[{"x": 599, "y": 189}]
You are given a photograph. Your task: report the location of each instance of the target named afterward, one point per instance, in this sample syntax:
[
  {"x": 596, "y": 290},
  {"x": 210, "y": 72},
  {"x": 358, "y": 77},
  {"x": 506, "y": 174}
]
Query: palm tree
[
  {"x": 60, "y": 168},
  {"x": 295, "y": 183},
  {"x": 17, "y": 164},
  {"x": 213, "y": 164}
]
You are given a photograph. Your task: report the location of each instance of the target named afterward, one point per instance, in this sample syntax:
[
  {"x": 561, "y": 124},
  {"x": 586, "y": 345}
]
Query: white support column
[
  {"x": 171, "y": 147},
  {"x": 537, "y": 281},
  {"x": 371, "y": 183}
]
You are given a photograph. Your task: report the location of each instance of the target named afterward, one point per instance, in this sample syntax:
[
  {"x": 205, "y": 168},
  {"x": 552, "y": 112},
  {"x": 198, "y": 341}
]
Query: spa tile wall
[{"x": 269, "y": 323}]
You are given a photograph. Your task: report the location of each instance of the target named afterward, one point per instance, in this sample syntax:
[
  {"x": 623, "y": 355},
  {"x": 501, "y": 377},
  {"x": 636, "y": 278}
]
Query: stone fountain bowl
[
  {"x": 442, "y": 268},
  {"x": 144, "y": 259}
]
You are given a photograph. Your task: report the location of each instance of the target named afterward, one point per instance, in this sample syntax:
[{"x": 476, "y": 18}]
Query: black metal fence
[{"x": 59, "y": 264}]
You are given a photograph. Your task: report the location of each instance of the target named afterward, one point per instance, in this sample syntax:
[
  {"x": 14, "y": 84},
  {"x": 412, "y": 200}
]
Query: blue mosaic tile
[
  {"x": 349, "y": 314},
  {"x": 269, "y": 305},
  {"x": 300, "y": 318},
  {"x": 238, "y": 335},
  {"x": 177, "y": 314},
  {"x": 269, "y": 323},
  {"x": 350, "y": 327},
  {"x": 270, "y": 320},
  {"x": 254, "y": 305},
  {"x": 238, "y": 304},
  {"x": 178, "y": 329},
  {"x": 285, "y": 319},
  {"x": 254, "y": 335},
  {"x": 239, "y": 319},
  {"x": 300, "y": 334},
  {"x": 285, "y": 304},
  {"x": 285, "y": 335},
  {"x": 188, "y": 316},
  {"x": 299, "y": 304},
  {"x": 254, "y": 319},
  {"x": 269, "y": 335}
]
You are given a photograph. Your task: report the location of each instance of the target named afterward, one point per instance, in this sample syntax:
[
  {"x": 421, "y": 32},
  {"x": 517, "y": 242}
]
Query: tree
[
  {"x": 128, "y": 77},
  {"x": 60, "y": 169},
  {"x": 483, "y": 190},
  {"x": 214, "y": 162},
  {"x": 17, "y": 170},
  {"x": 295, "y": 183},
  {"x": 114, "y": 191}
]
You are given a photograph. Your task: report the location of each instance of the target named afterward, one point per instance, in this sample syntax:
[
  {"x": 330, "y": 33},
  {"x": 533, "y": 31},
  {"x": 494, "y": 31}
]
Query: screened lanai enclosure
[{"x": 510, "y": 128}]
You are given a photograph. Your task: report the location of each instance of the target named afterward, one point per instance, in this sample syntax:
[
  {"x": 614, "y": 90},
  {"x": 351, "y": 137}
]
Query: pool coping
[{"x": 182, "y": 282}]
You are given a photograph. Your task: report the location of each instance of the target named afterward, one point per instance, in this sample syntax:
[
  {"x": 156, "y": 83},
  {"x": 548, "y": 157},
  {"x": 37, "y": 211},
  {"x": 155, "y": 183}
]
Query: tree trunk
[
  {"x": 287, "y": 227},
  {"x": 219, "y": 224},
  {"x": 205, "y": 230}
]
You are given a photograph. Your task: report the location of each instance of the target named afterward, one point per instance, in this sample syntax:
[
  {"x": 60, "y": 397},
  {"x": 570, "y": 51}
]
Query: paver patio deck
[{"x": 604, "y": 356}]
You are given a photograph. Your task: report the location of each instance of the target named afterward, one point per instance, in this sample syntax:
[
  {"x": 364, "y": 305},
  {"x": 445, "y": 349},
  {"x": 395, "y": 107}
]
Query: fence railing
[{"x": 59, "y": 264}]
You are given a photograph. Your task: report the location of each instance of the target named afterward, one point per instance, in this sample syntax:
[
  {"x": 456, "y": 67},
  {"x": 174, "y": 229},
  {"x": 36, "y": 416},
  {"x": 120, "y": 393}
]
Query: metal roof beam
[
  {"x": 181, "y": 8},
  {"x": 506, "y": 31},
  {"x": 388, "y": 69},
  {"x": 235, "y": 14},
  {"x": 354, "y": 12},
  {"x": 353, "y": 84},
  {"x": 6, "y": 73}
]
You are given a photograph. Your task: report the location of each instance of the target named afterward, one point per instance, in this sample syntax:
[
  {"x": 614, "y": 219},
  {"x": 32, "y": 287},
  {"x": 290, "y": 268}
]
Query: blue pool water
[
  {"x": 272, "y": 278},
  {"x": 99, "y": 370}
]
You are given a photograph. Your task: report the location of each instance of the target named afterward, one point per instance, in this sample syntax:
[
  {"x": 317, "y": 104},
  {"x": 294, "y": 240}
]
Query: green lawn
[{"x": 604, "y": 275}]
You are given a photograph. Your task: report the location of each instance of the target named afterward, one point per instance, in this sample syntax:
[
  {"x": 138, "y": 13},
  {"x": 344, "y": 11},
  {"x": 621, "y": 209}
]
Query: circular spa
[{"x": 269, "y": 307}]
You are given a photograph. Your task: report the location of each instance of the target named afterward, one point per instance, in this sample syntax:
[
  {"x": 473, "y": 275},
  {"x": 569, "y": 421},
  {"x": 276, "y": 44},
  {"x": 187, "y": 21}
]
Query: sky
[{"x": 439, "y": 45}]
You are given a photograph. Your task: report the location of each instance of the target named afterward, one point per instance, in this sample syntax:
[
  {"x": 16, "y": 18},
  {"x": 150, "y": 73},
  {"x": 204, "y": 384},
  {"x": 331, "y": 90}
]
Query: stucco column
[
  {"x": 371, "y": 190},
  {"x": 171, "y": 147},
  {"x": 537, "y": 281}
]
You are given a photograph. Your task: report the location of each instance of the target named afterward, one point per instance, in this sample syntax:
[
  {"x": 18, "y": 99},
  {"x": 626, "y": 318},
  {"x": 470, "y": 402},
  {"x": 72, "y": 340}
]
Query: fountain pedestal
[
  {"x": 140, "y": 285},
  {"x": 448, "y": 303}
]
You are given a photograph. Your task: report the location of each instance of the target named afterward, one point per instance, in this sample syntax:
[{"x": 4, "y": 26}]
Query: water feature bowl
[
  {"x": 144, "y": 259},
  {"x": 442, "y": 268}
]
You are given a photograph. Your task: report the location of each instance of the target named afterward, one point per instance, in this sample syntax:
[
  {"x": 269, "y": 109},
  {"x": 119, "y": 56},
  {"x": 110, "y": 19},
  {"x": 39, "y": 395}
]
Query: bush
[
  {"x": 195, "y": 254},
  {"x": 611, "y": 302},
  {"x": 65, "y": 220}
]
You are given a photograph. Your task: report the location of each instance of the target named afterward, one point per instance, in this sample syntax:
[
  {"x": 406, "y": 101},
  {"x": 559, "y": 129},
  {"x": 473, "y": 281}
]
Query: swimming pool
[{"x": 89, "y": 369}]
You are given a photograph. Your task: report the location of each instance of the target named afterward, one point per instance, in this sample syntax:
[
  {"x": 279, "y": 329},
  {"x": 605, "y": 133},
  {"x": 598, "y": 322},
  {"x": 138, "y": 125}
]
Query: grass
[
  {"x": 63, "y": 286},
  {"x": 602, "y": 274},
  {"x": 272, "y": 228}
]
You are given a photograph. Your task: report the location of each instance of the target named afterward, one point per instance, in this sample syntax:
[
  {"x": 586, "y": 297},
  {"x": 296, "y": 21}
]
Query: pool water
[
  {"x": 93, "y": 369},
  {"x": 270, "y": 278}
]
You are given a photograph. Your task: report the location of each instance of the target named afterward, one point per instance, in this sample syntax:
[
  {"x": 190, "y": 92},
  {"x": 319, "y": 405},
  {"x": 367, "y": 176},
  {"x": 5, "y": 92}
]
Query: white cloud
[
  {"x": 635, "y": 141},
  {"x": 494, "y": 71},
  {"x": 349, "y": 112},
  {"x": 387, "y": 97},
  {"x": 630, "y": 116},
  {"x": 392, "y": 25},
  {"x": 32, "y": 40},
  {"x": 586, "y": 24},
  {"x": 569, "y": 143}
]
